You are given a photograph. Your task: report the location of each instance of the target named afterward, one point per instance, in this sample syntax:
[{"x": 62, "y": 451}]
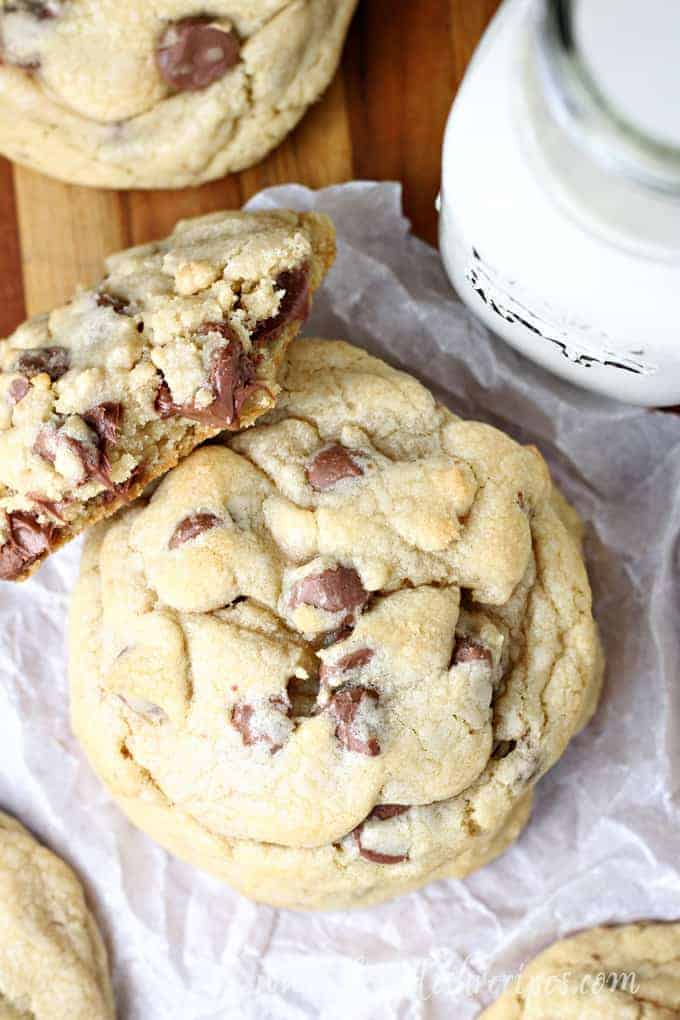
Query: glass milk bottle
[{"x": 560, "y": 200}]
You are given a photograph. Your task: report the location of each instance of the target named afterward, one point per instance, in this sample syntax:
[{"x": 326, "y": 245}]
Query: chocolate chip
[
  {"x": 243, "y": 719},
  {"x": 105, "y": 419},
  {"x": 293, "y": 306},
  {"x": 347, "y": 707},
  {"x": 233, "y": 380},
  {"x": 28, "y": 540},
  {"x": 353, "y": 660},
  {"x": 120, "y": 305},
  {"x": 191, "y": 527},
  {"x": 92, "y": 456},
  {"x": 45, "y": 445},
  {"x": 468, "y": 650},
  {"x": 381, "y": 812},
  {"x": 384, "y": 811},
  {"x": 374, "y": 856},
  {"x": 330, "y": 466},
  {"x": 193, "y": 53},
  {"x": 333, "y": 590},
  {"x": 18, "y": 389},
  {"x": 331, "y": 637},
  {"x": 54, "y": 507},
  {"x": 121, "y": 491},
  {"x": 52, "y": 360},
  {"x": 164, "y": 404}
]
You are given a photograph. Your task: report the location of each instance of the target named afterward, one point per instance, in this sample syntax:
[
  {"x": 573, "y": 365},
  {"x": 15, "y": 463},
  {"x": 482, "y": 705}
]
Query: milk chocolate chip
[
  {"x": 333, "y": 590},
  {"x": 381, "y": 812},
  {"x": 193, "y": 53},
  {"x": 28, "y": 540},
  {"x": 92, "y": 456},
  {"x": 52, "y": 360},
  {"x": 469, "y": 650},
  {"x": 261, "y": 725},
  {"x": 18, "y": 389},
  {"x": 233, "y": 380},
  {"x": 330, "y": 466},
  {"x": 352, "y": 708},
  {"x": 353, "y": 660},
  {"x": 293, "y": 306},
  {"x": 384, "y": 811},
  {"x": 191, "y": 527},
  {"x": 105, "y": 419}
]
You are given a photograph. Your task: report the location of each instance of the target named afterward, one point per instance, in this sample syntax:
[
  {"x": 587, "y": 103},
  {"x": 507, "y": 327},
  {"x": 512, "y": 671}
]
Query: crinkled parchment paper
[{"x": 604, "y": 840}]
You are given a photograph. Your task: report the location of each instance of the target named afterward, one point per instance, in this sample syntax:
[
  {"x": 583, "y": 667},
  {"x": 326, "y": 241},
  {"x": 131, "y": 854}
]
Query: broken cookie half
[{"x": 181, "y": 340}]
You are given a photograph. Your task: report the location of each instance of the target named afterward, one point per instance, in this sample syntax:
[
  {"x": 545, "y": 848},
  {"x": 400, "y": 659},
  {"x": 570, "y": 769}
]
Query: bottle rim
[{"x": 583, "y": 109}]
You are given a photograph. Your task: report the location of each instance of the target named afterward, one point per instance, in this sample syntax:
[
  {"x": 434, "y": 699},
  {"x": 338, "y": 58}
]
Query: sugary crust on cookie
[
  {"x": 330, "y": 658},
  {"x": 182, "y": 338},
  {"x": 53, "y": 962},
  {"x": 133, "y": 127},
  {"x": 631, "y": 972}
]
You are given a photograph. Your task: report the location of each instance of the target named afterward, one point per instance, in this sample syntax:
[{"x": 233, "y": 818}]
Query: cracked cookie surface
[
  {"x": 629, "y": 972},
  {"x": 330, "y": 657},
  {"x": 53, "y": 963},
  {"x": 122, "y": 94},
  {"x": 183, "y": 338}
]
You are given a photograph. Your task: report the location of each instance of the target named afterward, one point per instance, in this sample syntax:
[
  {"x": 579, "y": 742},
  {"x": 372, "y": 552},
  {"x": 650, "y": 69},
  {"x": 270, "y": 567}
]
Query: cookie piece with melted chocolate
[{"x": 182, "y": 339}]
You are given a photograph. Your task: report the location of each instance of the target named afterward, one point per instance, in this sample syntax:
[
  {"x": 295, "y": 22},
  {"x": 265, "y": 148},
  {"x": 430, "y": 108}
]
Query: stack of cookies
[
  {"x": 330, "y": 653},
  {"x": 327, "y": 636}
]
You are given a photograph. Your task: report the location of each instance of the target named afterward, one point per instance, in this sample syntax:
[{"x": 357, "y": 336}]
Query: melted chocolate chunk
[
  {"x": 233, "y": 380},
  {"x": 469, "y": 650},
  {"x": 52, "y": 360},
  {"x": 193, "y": 53},
  {"x": 121, "y": 490},
  {"x": 54, "y": 507},
  {"x": 105, "y": 419},
  {"x": 18, "y": 390},
  {"x": 164, "y": 404},
  {"x": 242, "y": 720},
  {"x": 192, "y": 527},
  {"x": 333, "y": 590},
  {"x": 93, "y": 458},
  {"x": 293, "y": 306},
  {"x": 346, "y": 707},
  {"x": 28, "y": 540},
  {"x": 330, "y": 466}
]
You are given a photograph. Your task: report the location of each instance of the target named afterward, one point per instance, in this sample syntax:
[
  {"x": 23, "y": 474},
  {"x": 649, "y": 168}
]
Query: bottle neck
[
  {"x": 614, "y": 180},
  {"x": 611, "y": 77}
]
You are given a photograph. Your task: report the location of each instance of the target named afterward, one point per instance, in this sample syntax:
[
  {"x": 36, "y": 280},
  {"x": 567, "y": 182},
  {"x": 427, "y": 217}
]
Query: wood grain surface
[{"x": 382, "y": 118}]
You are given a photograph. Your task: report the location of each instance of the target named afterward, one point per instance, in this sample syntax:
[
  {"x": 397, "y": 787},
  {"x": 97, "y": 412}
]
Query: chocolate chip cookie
[
  {"x": 330, "y": 657},
  {"x": 183, "y": 338},
  {"x": 630, "y": 972},
  {"x": 52, "y": 959},
  {"x": 128, "y": 94}
]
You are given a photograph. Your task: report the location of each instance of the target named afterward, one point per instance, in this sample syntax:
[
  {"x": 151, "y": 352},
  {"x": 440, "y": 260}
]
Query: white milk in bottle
[{"x": 560, "y": 201}]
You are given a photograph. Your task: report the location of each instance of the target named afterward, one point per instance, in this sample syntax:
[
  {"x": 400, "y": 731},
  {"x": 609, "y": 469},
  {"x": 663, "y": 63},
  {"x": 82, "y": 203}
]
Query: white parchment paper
[{"x": 604, "y": 842}]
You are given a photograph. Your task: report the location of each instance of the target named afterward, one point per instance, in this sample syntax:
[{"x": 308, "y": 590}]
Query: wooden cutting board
[{"x": 383, "y": 118}]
